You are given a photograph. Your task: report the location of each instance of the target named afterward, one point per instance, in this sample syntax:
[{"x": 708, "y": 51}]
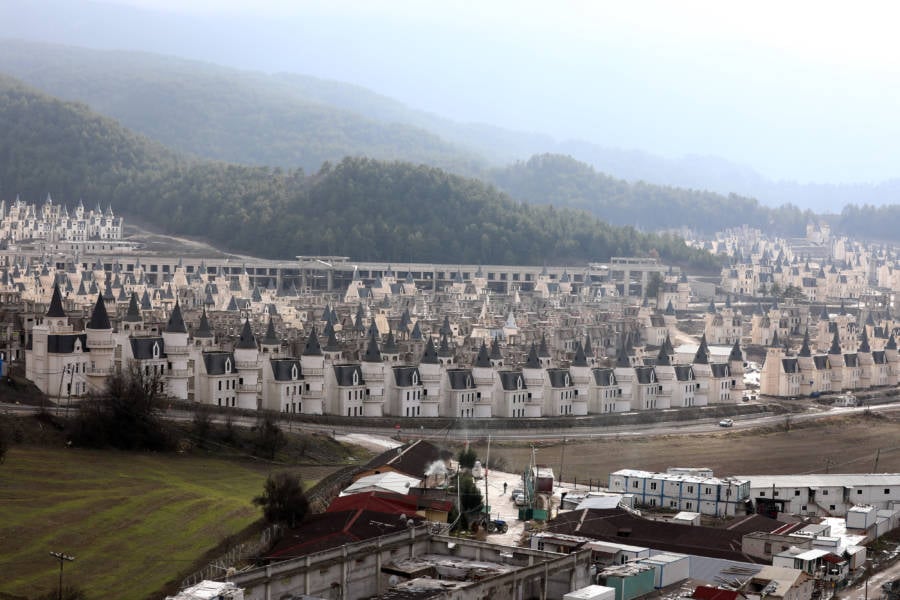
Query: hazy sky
[{"x": 799, "y": 90}]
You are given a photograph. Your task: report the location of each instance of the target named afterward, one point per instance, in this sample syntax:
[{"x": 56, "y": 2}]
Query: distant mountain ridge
[
  {"x": 294, "y": 120},
  {"x": 359, "y": 207}
]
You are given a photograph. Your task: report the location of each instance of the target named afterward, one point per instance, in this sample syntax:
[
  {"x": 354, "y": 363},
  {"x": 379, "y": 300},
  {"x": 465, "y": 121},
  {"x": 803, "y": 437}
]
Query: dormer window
[
  {"x": 355, "y": 377},
  {"x": 294, "y": 372},
  {"x": 468, "y": 381},
  {"x": 519, "y": 383},
  {"x": 155, "y": 349},
  {"x": 567, "y": 380},
  {"x": 228, "y": 365},
  {"x": 415, "y": 378}
]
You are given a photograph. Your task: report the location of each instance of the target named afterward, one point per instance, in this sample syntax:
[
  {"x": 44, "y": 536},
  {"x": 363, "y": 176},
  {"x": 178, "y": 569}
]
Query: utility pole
[
  {"x": 62, "y": 558},
  {"x": 877, "y": 456}
]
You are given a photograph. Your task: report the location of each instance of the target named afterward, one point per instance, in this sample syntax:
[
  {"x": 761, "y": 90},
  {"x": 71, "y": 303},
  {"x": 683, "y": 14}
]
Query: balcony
[
  {"x": 176, "y": 349},
  {"x": 243, "y": 365},
  {"x": 179, "y": 373},
  {"x": 247, "y": 389},
  {"x": 307, "y": 372},
  {"x": 102, "y": 344}
]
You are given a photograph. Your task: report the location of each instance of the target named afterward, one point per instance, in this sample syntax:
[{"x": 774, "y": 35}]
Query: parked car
[{"x": 726, "y": 423}]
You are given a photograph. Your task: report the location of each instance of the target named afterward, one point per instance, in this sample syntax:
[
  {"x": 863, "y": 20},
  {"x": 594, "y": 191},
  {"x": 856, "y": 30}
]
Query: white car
[{"x": 726, "y": 423}]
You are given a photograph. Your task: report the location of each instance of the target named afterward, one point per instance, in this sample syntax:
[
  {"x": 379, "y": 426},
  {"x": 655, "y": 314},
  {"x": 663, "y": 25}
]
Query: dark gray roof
[
  {"x": 444, "y": 348},
  {"x": 430, "y": 355},
  {"x": 312, "y": 348},
  {"x": 495, "y": 350},
  {"x": 286, "y": 369},
  {"x": 559, "y": 378},
  {"x": 645, "y": 374},
  {"x": 821, "y": 362},
  {"x": 604, "y": 377},
  {"x": 483, "y": 359},
  {"x": 99, "y": 317},
  {"x": 736, "y": 354},
  {"x": 56, "y": 307},
  {"x": 64, "y": 343},
  {"x": 684, "y": 372},
  {"x": 142, "y": 347},
  {"x": 891, "y": 344},
  {"x": 331, "y": 344},
  {"x": 203, "y": 331},
  {"x": 533, "y": 362},
  {"x": 835, "y": 343},
  {"x": 542, "y": 349},
  {"x": 271, "y": 338},
  {"x": 176, "y": 321},
  {"x": 864, "y": 343},
  {"x": 702, "y": 355},
  {"x": 390, "y": 344},
  {"x": 511, "y": 380},
  {"x": 580, "y": 360},
  {"x": 217, "y": 363},
  {"x": 406, "y": 376},
  {"x": 247, "y": 341},
  {"x": 851, "y": 360},
  {"x": 344, "y": 375},
  {"x": 719, "y": 370},
  {"x": 145, "y": 301},
  {"x": 133, "y": 314},
  {"x": 373, "y": 354},
  {"x": 804, "y": 349},
  {"x": 416, "y": 332},
  {"x": 879, "y": 358}
]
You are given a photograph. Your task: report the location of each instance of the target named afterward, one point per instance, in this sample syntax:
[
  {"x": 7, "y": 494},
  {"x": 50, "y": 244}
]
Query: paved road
[
  {"x": 859, "y": 592},
  {"x": 458, "y": 430}
]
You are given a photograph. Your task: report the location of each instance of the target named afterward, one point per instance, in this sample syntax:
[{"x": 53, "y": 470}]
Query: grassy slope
[{"x": 133, "y": 521}]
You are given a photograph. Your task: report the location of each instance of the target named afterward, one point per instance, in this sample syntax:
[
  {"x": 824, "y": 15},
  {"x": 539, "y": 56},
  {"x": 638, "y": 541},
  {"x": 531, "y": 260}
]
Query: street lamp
[{"x": 62, "y": 558}]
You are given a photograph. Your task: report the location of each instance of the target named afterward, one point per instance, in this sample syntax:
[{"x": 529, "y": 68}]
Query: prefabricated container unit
[
  {"x": 668, "y": 569},
  {"x": 631, "y": 585},
  {"x": 592, "y": 592}
]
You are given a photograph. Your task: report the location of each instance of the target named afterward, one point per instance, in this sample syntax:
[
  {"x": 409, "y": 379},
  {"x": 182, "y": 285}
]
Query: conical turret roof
[
  {"x": 247, "y": 341},
  {"x": 56, "y": 307},
  {"x": 133, "y": 314},
  {"x": 203, "y": 330},
  {"x": 176, "y": 321},
  {"x": 271, "y": 337},
  {"x": 99, "y": 316},
  {"x": 312, "y": 348}
]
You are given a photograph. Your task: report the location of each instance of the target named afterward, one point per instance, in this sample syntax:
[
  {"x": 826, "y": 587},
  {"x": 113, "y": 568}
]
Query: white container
[{"x": 592, "y": 592}]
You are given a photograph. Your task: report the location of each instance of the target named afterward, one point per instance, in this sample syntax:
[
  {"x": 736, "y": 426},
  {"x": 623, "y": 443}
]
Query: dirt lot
[{"x": 840, "y": 445}]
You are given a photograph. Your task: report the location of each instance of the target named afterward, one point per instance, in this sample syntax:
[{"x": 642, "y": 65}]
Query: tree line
[{"x": 359, "y": 207}]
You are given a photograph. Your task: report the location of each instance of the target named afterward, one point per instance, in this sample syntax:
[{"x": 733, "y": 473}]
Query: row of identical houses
[
  {"x": 256, "y": 373},
  {"x": 52, "y": 222}
]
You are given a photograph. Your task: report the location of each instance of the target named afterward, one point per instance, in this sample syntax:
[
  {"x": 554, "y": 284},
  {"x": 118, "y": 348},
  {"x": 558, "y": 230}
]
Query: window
[
  {"x": 824, "y": 492},
  {"x": 690, "y": 489},
  {"x": 831, "y": 507},
  {"x": 859, "y": 492},
  {"x": 652, "y": 485},
  {"x": 887, "y": 490},
  {"x": 796, "y": 492},
  {"x": 775, "y": 494},
  {"x": 688, "y": 505},
  {"x": 634, "y": 484}
]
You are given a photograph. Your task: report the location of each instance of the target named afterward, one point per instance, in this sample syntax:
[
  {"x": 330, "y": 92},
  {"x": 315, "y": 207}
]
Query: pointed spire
[
  {"x": 580, "y": 360},
  {"x": 775, "y": 342},
  {"x": 145, "y": 301},
  {"x": 430, "y": 356},
  {"x": 588, "y": 347},
  {"x": 542, "y": 349},
  {"x": 99, "y": 317},
  {"x": 670, "y": 310},
  {"x": 312, "y": 344},
  {"x": 702, "y": 355},
  {"x": 133, "y": 314},
  {"x": 176, "y": 321},
  {"x": 804, "y": 349},
  {"x": 483, "y": 359},
  {"x": 203, "y": 330},
  {"x": 864, "y": 343},
  {"x": 533, "y": 362},
  {"x": 495, "y": 350},
  {"x": 373, "y": 354},
  {"x": 835, "y": 343},
  {"x": 416, "y": 332},
  {"x": 271, "y": 338},
  {"x": 823, "y": 316},
  {"x": 663, "y": 359},
  {"x": 445, "y": 328},
  {"x": 331, "y": 345},
  {"x": 444, "y": 349},
  {"x": 390, "y": 344},
  {"x": 56, "y": 306},
  {"x": 622, "y": 360},
  {"x": 891, "y": 343},
  {"x": 247, "y": 341},
  {"x": 711, "y": 309}
]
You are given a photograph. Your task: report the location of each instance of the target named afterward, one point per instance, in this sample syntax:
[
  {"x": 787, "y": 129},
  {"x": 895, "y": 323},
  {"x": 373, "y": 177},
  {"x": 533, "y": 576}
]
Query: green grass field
[{"x": 133, "y": 521}]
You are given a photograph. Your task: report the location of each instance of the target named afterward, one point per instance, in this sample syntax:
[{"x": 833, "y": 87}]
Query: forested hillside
[
  {"x": 361, "y": 208},
  {"x": 226, "y": 114},
  {"x": 563, "y": 181}
]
